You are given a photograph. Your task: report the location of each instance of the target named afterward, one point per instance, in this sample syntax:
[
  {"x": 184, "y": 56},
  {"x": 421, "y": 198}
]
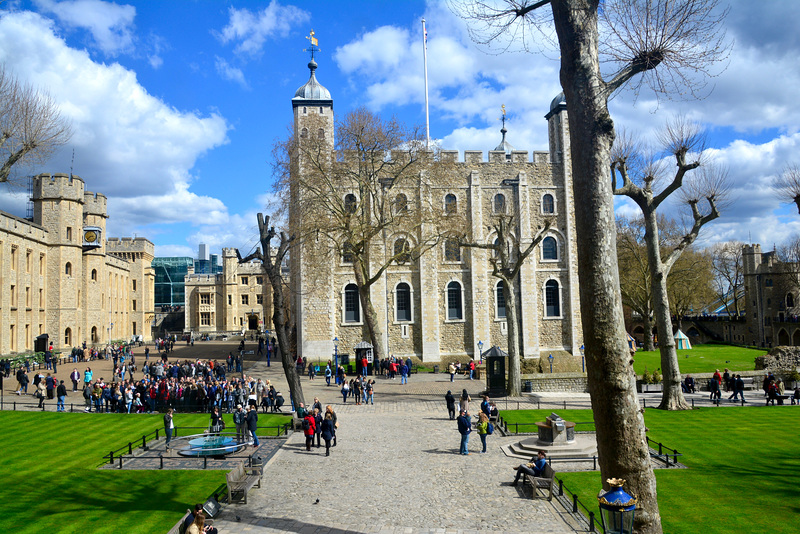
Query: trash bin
[
  {"x": 527, "y": 387},
  {"x": 436, "y": 369}
]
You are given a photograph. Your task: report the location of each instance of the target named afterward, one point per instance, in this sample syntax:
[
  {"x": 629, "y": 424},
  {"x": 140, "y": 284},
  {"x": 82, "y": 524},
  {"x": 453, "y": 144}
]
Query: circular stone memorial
[
  {"x": 211, "y": 446},
  {"x": 558, "y": 439}
]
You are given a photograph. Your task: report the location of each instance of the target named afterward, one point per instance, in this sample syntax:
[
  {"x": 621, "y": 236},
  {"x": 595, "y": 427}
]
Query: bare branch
[{"x": 787, "y": 186}]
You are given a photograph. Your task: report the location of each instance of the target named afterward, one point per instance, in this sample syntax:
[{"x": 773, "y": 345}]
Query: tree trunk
[
  {"x": 370, "y": 315},
  {"x": 621, "y": 443},
  {"x": 647, "y": 321},
  {"x": 672, "y": 394},
  {"x": 513, "y": 387},
  {"x": 279, "y": 322}
]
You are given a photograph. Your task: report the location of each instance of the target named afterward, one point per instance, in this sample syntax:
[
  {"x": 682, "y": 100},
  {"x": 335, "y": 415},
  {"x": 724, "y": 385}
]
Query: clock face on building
[{"x": 90, "y": 236}]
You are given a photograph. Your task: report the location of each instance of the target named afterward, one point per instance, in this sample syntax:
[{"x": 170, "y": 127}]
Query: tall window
[
  {"x": 246, "y": 300},
  {"x": 68, "y": 337},
  {"x": 551, "y": 299},
  {"x": 454, "y": 309},
  {"x": 403, "y": 296},
  {"x": 450, "y": 204},
  {"x": 401, "y": 251},
  {"x": 68, "y": 269},
  {"x": 549, "y": 248},
  {"x": 94, "y": 275},
  {"x": 205, "y": 299},
  {"x": 499, "y": 203},
  {"x": 350, "y": 203},
  {"x": 205, "y": 318},
  {"x": 452, "y": 251},
  {"x": 400, "y": 203},
  {"x": 352, "y": 308},
  {"x": 245, "y": 281},
  {"x": 789, "y": 300},
  {"x": 347, "y": 253},
  {"x": 501, "y": 301},
  {"x": 548, "y": 204},
  {"x": 259, "y": 299}
]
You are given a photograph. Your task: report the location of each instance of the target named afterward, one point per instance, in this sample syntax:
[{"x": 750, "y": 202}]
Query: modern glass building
[{"x": 170, "y": 275}]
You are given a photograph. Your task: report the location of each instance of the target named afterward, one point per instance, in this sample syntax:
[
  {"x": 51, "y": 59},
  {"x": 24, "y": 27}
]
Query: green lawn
[
  {"x": 702, "y": 359},
  {"x": 51, "y": 482},
  {"x": 742, "y": 475}
]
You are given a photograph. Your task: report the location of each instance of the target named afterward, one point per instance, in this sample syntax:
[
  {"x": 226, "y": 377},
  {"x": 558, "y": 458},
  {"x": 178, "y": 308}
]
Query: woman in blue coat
[{"x": 327, "y": 432}]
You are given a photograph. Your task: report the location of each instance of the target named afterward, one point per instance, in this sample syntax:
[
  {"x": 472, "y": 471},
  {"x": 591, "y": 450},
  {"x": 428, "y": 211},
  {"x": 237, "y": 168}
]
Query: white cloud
[
  {"x": 175, "y": 251},
  {"x": 251, "y": 29},
  {"x": 129, "y": 145},
  {"x": 229, "y": 72},
  {"x": 110, "y": 24}
]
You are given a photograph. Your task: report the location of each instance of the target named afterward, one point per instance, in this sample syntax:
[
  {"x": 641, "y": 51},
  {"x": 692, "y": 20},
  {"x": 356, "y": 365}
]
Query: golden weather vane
[
  {"x": 503, "y": 118},
  {"x": 314, "y": 42}
]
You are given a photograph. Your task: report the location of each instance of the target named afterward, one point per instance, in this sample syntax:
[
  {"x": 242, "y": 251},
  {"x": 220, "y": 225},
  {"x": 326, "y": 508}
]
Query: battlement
[
  {"x": 58, "y": 186},
  {"x": 228, "y": 252},
  {"x": 131, "y": 248},
  {"x": 94, "y": 204}
]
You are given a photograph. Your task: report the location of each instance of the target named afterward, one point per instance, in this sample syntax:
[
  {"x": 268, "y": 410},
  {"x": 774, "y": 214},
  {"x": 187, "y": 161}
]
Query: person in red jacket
[{"x": 309, "y": 429}]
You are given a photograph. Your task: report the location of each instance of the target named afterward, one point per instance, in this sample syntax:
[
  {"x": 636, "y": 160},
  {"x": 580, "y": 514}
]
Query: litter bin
[
  {"x": 527, "y": 387},
  {"x": 436, "y": 369}
]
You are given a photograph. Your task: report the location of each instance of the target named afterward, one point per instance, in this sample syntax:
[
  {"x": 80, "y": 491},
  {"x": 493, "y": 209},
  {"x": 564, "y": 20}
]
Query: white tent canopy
[{"x": 681, "y": 341}]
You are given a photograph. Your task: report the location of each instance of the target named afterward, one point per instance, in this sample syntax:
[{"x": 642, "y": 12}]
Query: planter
[{"x": 650, "y": 388}]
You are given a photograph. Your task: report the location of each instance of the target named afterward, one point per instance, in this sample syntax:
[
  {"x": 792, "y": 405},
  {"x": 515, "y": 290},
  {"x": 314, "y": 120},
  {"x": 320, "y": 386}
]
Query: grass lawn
[
  {"x": 51, "y": 482},
  {"x": 742, "y": 475},
  {"x": 702, "y": 359}
]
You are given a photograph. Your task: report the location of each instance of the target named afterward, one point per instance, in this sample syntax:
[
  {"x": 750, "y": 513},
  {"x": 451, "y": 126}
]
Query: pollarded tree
[
  {"x": 366, "y": 203},
  {"x": 668, "y": 45},
  {"x": 31, "y": 125},
  {"x": 787, "y": 186},
  {"x": 272, "y": 267},
  {"x": 506, "y": 258},
  {"x": 645, "y": 180}
]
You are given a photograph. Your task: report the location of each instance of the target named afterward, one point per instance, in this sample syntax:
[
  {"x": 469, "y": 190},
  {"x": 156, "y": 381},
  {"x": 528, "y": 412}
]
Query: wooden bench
[
  {"x": 749, "y": 382},
  {"x": 179, "y": 529},
  {"x": 242, "y": 479},
  {"x": 544, "y": 482}
]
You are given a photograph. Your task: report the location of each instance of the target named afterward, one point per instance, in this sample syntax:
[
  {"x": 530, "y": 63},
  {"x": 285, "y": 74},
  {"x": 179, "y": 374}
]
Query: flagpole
[{"x": 425, "y": 62}]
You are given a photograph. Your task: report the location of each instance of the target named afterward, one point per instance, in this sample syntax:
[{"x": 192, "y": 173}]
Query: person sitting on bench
[
  {"x": 198, "y": 509},
  {"x": 534, "y": 468},
  {"x": 688, "y": 384}
]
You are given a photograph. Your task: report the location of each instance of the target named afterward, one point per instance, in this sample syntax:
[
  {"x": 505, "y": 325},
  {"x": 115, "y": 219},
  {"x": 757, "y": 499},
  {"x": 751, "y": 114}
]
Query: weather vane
[
  {"x": 314, "y": 42},
  {"x": 503, "y": 118}
]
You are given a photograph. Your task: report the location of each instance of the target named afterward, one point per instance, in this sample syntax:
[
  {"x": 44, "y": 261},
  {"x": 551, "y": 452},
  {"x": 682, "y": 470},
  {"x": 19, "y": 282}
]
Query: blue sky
[{"x": 176, "y": 104}]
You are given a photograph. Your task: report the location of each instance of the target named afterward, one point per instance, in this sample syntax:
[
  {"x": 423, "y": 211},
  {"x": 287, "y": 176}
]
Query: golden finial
[{"x": 314, "y": 42}]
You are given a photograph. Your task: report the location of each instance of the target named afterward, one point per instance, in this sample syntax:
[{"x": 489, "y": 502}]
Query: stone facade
[
  {"x": 61, "y": 277},
  {"x": 534, "y": 186},
  {"x": 771, "y": 299},
  {"x": 238, "y": 299}
]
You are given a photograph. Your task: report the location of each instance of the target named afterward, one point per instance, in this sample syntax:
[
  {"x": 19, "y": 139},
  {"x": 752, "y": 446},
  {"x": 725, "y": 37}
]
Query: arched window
[
  {"x": 68, "y": 269},
  {"x": 401, "y": 251},
  {"x": 450, "y": 204},
  {"x": 454, "y": 311},
  {"x": 500, "y": 300},
  {"x": 400, "y": 203},
  {"x": 403, "y": 302},
  {"x": 352, "y": 308},
  {"x": 496, "y": 249},
  {"x": 321, "y": 134},
  {"x": 347, "y": 253},
  {"x": 499, "y": 203},
  {"x": 68, "y": 337},
  {"x": 551, "y": 299},
  {"x": 548, "y": 204},
  {"x": 789, "y": 300},
  {"x": 95, "y": 339},
  {"x": 549, "y": 248},
  {"x": 304, "y": 133},
  {"x": 94, "y": 275},
  {"x": 452, "y": 250},
  {"x": 350, "y": 203}
]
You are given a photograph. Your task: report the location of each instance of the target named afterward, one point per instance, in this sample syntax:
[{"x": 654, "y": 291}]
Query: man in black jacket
[
  {"x": 252, "y": 424},
  {"x": 61, "y": 393},
  {"x": 464, "y": 428}
]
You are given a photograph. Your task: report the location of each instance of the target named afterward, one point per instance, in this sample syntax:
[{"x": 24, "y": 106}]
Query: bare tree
[
  {"x": 645, "y": 181},
  {"x": 31, "y": 125},
  {"x": 365, "y": 204},
  {"x": 272, "y": 267},
  {"x": 675, "y": 35},
  {"x": 634, "y": 274},
  {"x": 689, "y": 284},
  {"x": 506, "y": 261},
  {"x": 728, "y": 270},
  {"x": 787, "y": 186}
]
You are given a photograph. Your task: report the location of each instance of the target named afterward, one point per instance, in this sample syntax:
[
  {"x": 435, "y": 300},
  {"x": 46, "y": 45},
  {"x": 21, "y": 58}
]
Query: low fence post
[
  {"x": 130, "y": 448},
  {"x": 560, "y": 487},
  {"x": 144, "y": 442},
  {"x": 205, "y": 462},
  {"x": 574, "y": 504},
  {"x": 120, "y": 461},
  {"x": 111, "y": 457},
  {"x": 591, "y": 522},
  {"x": 161, "y": 462}
]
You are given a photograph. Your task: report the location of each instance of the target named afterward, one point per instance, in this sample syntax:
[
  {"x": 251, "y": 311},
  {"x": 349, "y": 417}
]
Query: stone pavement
[{"x": 396, "y": 468}]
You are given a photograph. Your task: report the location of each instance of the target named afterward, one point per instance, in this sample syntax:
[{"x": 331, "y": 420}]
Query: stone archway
[
  {"x": 796, "y": 338},
  {"x": 783, "y": 337}
]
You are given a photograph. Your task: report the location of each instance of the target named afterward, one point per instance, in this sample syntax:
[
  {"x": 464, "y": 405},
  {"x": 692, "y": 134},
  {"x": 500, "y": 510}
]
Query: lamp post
[
  {"x": 617, "y": 508},
  {"x": 551, "y": 363},
  {"x": 583, "y": 360},
  {"x": 480, "y": 350},
  {"x": 336, "y": 359}
]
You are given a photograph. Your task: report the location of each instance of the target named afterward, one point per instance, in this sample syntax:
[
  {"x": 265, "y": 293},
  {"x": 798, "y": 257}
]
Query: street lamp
[
  {"x": 480, "y": 349},
  {"x": 617, "y": 508},
  {"x": 336, "y": 359},
  {"x": 583, "y": 360},
  {"x": 551, "y": 363}
]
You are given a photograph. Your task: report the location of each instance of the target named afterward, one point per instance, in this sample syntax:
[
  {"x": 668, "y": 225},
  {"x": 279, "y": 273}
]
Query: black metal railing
[{"x": 573, "y": 505}]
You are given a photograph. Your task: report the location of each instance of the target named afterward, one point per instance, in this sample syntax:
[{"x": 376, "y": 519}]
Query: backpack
[
  {"x": 306, "y": 426},
  {"x": 490, "y": 428}
]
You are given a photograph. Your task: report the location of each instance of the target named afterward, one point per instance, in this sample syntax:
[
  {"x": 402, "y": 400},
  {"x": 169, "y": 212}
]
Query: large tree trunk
[
  {"x": 513, "y": 388},
  {"x": 621, "y": 443},
  {"x": 279, "y": 321},
  {"x": 672, "y": 394},
  {"x": 370, "y": 315}
]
